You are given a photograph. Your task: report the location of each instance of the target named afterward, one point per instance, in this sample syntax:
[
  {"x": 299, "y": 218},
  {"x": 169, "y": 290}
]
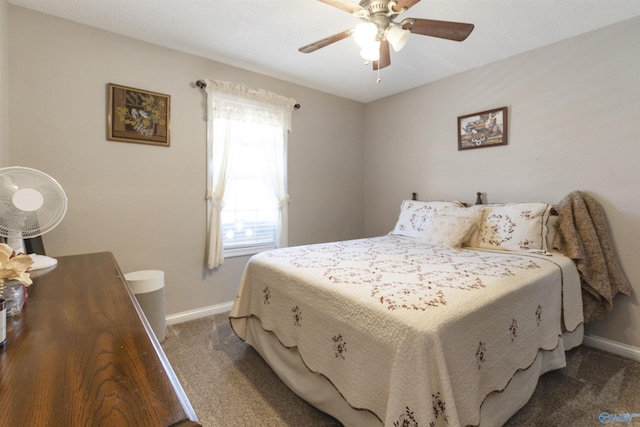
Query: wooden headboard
[
  {"x": 414, "y": 196},
  {"x": 553, "y": 212}
]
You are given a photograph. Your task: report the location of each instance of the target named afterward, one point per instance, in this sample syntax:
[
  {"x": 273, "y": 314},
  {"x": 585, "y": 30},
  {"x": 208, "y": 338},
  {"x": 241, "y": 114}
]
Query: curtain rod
[{"x": 202, "y": 84}]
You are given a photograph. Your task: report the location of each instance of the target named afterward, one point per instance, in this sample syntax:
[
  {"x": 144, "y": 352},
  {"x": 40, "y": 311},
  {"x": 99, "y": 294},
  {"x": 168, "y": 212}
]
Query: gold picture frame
[
  {"x": 138, "y": 116},
  {"x": 484, "y": 129}
]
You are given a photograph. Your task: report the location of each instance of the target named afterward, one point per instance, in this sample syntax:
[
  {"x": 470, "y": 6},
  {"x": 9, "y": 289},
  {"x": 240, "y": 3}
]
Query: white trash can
[{"x": 148, "y": 287}]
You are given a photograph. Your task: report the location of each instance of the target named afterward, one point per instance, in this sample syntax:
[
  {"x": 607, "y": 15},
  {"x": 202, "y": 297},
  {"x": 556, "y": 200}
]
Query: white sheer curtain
[
  {"x": 275, "y": 167},
  {"x": 239, "y": 104}
]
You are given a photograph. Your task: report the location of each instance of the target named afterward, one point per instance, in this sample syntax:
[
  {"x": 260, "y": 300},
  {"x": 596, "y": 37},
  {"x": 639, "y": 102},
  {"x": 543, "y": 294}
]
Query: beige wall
[
  {"x": 4, "y": 84},
  {"x": 574, "y": 125},
  {"x": 146, "y": 203}
]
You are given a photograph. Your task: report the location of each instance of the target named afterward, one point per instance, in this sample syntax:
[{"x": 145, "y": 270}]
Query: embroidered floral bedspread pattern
[{"x": 415, "y": 333}]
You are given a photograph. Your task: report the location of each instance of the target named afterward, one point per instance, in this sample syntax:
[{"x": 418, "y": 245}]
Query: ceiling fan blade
[
  {"x": 404, "y": 4},
  {"x": 385, "y": 56},
  {"x": 325, "y": 42},
  {"x": 456, "y": 31},
  {"x": 346, "y": 5}
]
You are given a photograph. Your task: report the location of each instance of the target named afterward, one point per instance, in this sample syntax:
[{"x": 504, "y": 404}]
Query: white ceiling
[{"x": 264, "y": 35}]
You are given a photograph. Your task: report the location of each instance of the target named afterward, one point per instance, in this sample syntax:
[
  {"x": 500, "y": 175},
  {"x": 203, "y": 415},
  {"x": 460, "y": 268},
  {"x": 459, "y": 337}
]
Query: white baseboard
[
  {"x": 198, "y": 313},
  {"x": 614, "y": 347}
]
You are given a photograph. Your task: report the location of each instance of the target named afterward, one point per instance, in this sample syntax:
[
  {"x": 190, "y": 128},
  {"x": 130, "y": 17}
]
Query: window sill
[{"x": 252, "y": 250}]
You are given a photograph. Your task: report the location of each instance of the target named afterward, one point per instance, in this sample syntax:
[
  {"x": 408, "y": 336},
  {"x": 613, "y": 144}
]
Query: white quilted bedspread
[{"x": 416, "y": 334}]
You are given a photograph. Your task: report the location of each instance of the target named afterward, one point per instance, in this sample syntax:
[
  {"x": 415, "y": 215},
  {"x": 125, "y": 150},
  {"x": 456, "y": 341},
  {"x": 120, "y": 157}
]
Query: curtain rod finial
[{"x": 201, "y": 84}]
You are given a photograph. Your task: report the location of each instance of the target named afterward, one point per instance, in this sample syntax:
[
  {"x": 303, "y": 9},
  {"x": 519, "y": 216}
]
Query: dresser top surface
[{"x": 80, "y": 353}]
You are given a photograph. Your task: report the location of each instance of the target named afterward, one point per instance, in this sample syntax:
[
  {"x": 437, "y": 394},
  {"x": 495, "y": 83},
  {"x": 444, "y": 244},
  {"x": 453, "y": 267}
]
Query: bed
[{"x": 447, "y": 320}]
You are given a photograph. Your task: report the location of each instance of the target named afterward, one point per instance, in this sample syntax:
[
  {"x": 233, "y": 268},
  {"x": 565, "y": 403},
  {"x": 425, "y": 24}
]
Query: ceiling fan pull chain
[{"x": 378, "y": 81}]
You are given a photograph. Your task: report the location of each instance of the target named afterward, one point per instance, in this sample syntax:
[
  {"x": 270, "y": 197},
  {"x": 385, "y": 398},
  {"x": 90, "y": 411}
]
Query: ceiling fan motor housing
[
  {"x": 380, "y": 6},
  {"x": 381, "y": 13}
]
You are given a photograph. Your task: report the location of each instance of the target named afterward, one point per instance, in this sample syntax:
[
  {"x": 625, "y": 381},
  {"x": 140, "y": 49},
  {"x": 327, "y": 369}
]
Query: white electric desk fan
[{"x": 31, "y": 204}]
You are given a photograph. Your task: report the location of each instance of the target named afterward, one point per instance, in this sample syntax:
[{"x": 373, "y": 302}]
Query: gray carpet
[{"x": 230, "y": 385}]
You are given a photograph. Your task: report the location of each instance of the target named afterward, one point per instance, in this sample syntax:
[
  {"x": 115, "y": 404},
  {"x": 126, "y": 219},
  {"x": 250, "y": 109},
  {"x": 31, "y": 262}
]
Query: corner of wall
[{"x": 4, "y": 83}]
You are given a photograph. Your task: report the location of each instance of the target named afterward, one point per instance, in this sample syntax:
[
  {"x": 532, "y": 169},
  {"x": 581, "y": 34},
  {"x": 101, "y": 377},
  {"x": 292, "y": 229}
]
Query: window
[
  {"x": 249, "y": 214},
  {"x": 247, "y": 197}
]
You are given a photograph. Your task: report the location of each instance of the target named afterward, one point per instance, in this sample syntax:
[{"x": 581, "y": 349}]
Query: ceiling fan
[{"x": 378, "y": 28}]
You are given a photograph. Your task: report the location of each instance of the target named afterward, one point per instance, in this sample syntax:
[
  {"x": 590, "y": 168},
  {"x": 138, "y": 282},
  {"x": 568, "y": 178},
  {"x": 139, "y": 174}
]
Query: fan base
[{"x": 42, "y": 261}]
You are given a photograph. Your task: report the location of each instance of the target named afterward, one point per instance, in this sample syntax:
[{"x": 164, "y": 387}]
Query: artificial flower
[{"x": 14, "y": 266}]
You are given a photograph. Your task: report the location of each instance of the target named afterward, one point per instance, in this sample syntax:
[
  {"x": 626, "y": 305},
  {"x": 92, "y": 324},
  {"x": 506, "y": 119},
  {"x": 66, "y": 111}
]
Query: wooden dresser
[{"x": 81, "y": 353}]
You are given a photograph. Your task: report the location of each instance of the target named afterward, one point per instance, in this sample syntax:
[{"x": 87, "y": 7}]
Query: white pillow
[
  {"x": 448, "y": 230},
  {"x": 414, "y": 214},
  {"x": 515, "y": 227}
]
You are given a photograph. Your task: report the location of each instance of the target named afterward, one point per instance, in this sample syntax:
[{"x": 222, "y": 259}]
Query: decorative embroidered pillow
[
  {"x": 448, "y": 230},
  {"x": 515, "y": 227},
  {"x": 414, "y": 214}
]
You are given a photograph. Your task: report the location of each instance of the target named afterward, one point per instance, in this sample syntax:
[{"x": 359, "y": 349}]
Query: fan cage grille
[{"x": 16, "y": 223}]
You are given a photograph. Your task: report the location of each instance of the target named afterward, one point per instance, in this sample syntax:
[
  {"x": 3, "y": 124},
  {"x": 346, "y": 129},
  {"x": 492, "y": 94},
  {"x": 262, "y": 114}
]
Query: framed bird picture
[{"x": 137, "y": 115}]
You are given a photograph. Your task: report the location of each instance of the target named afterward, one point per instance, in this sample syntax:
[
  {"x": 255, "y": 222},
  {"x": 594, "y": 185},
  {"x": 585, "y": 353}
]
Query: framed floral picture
[
  {"x": 484, "y": 129},
  {"x": 137, "y": 115}
]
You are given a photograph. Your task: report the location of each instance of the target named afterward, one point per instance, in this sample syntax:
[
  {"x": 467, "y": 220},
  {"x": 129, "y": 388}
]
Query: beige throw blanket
[{"x": 583, "y": 235}]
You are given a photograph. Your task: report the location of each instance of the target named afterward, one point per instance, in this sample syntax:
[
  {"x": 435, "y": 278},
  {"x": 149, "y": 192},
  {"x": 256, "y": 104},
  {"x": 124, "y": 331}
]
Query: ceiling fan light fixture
[
  {"x": 397, "y": 37},
  {"x": 365, "y": 34},
  {"x": 371, "y": 52}
]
